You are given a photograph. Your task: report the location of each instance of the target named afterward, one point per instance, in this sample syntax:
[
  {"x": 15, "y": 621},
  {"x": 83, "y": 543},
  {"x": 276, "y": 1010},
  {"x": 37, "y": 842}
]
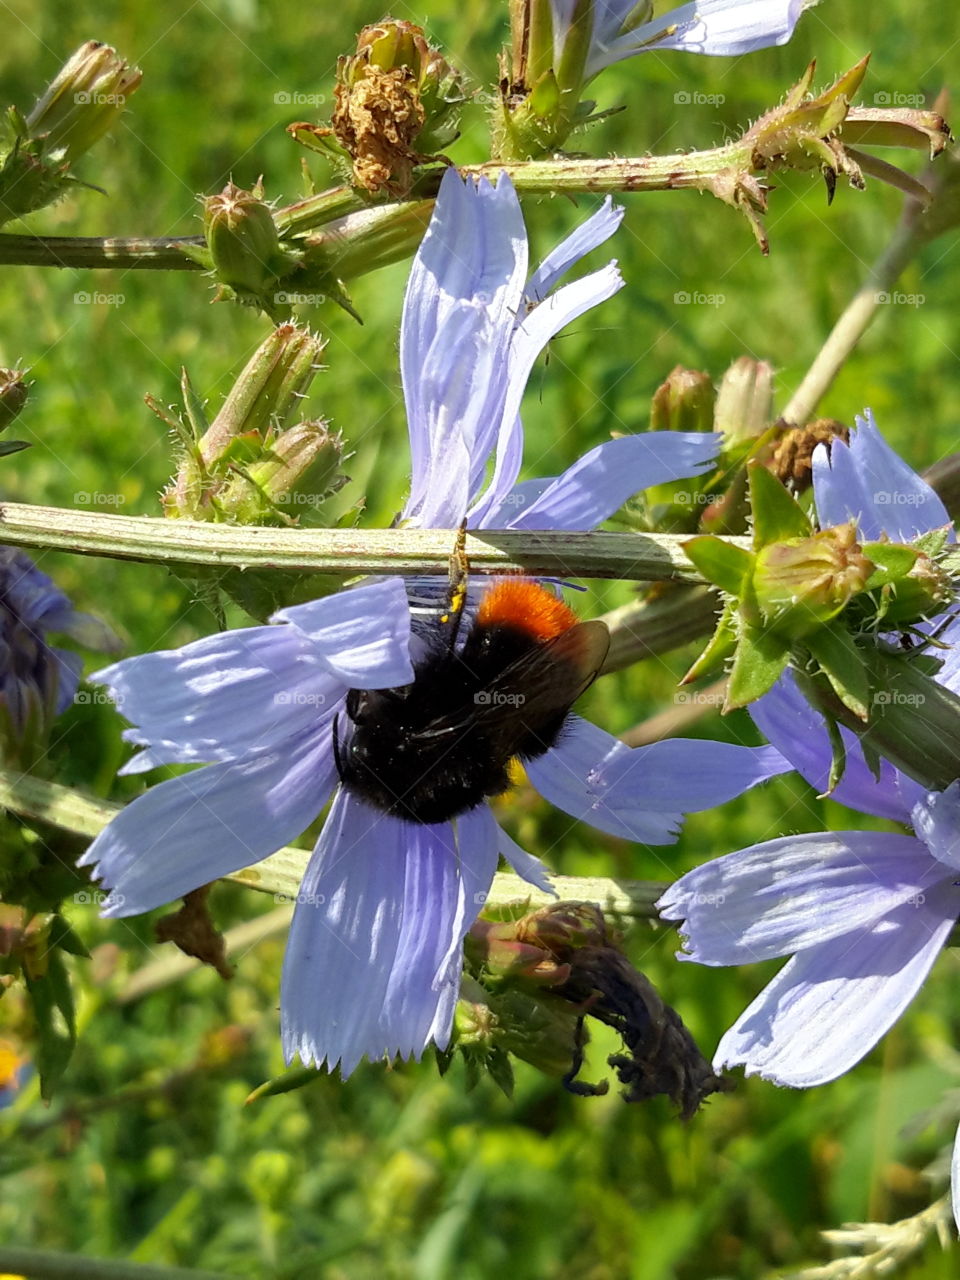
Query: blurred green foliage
[{"x": 148, "y": 1151}]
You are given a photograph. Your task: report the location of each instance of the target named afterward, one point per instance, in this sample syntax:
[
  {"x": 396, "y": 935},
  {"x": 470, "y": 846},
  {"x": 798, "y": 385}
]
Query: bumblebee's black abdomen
[{"x": 440, "y": 746}]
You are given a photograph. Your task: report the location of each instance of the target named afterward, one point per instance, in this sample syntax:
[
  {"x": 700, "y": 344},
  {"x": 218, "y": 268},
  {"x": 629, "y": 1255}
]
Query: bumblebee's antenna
[{"x": 459, "y": 574}]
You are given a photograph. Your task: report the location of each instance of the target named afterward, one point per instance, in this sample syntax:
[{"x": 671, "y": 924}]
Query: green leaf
[
  {"x": 842, "y": 664},
  {"x": 62, "y": 936},
  {"x": 893, "y": 560},
  {"x": 53, "y": 1010},
  {"x": 760, "y": 661},
  {"x": 777, "y": 516},
  {"x": 722, "y": 644},
  {"x": 720, "y": 562},
  {"x": 13, "y": 446}
]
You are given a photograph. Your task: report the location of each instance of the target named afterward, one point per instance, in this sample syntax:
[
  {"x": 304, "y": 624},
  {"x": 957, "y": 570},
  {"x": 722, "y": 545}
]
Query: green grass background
[{"x": 148, "y": 1152}]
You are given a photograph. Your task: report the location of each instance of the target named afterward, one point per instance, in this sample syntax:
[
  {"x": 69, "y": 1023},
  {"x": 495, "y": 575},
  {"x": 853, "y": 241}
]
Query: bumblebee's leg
[{"x": 459, "y": 574}]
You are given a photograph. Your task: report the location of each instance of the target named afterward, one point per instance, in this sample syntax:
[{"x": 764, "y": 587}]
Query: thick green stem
[
  {"x": 634, "y": 557},
  {"x": 128, "y": 252},
  {"x": 281, "y": 873},
  {"x": 697, "y": 170}
]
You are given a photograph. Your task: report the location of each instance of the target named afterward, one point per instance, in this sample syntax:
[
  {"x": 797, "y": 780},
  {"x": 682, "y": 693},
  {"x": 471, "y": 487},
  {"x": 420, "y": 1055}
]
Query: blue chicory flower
[
  {"x": 723, "y": 28},
  {"x": 863, "y": 915},
  {"x": 37, "y": 680},
  {"x": 375, "y": 949}
]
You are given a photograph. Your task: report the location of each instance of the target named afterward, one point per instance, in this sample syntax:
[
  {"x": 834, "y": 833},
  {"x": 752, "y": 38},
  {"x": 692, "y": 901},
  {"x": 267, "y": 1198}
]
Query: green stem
[
  {"x": 128, "y": 252},
  {"x": 635, "y": 557},
  {"x": 697, "y": 170},
  {"x": 281, "y": 873},
  {"x": 50, "y": 1264}
]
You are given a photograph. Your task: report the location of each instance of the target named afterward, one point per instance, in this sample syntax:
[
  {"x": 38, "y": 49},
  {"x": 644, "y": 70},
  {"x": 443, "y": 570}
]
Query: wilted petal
[
  {"x": 722, "y": 28},
  {"x": 868, "y": 482},
  {"x": 221, "y": 697},
  {"x": 830, "y": 1005},
  {"x": 787, "y": 720},
  {"x": 794, "y": 893},
  {"x": 691, "y": 774},
  {"x": 190, "y": 830},
  {"x": 589, "y": 235},
  {"x": 574, "y": 777},
  {"x": 603, "y": 479},
  {"x": 362, "y": 635}
]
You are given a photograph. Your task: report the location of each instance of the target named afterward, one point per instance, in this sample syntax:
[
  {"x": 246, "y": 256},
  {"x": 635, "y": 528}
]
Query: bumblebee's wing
[{"x": 537, "y": 688}]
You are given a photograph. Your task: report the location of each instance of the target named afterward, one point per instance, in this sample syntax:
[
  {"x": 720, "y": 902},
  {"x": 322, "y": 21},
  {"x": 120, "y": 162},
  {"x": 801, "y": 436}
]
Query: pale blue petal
[
  {"x": 344, "y": 937},
  {"x": 868, "y": 482},
  {"x": 787, "y": 720},
  {"x": 955, "y": 1180},
  {"x": 375, "y": 950},
  {"x": 529, "y": 339},
  {"x": 526, "y": 865},
  {"x": 190, "y": 830},
  {"x": 470, "y": 269},
  {"x": 362, "y": 634},
  {"x": 574, "y": 777},
  {"x": 589, "y": 235},
  {"x": 721, "y": 28},
  {"x": 431, "y": 933},
  {"x": 936, "y": 820},
  {"x": 788, "y": 895},
  {"x": 221, "y": 697},
  {"x": 830, "y": 1005},
  {"x": 603, "y": 479},
  {"x": 691, "y": 774}
]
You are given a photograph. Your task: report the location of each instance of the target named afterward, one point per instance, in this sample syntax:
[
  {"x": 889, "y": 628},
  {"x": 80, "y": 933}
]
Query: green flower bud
[
  {"x": 83, "y": 101},
  {"x": 800, "y": 584},
  {"x": 744, "y": 401},
  {"x": 291, "y": 479},
  {"x": 262, "y": 401},
  {"x": 244, "y": 243},
  {"x": 683, "y": 402}
]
